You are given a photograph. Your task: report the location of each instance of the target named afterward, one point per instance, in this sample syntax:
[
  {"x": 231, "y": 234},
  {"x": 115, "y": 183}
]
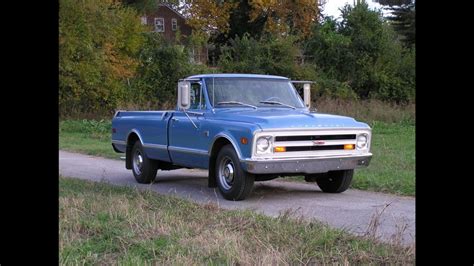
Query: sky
[{"x": 332, "y": 6}]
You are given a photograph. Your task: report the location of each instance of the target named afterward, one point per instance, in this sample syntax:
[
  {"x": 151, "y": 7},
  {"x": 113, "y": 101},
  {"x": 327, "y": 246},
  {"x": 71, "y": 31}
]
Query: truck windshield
[{"x": 261, "y": 92}]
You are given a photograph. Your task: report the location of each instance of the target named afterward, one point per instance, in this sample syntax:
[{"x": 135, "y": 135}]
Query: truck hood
[{"x": 275, "y": 118}]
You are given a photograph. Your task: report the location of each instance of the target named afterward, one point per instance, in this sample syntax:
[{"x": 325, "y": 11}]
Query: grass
[
  {"x": 392, "y": 168},
  {"x": 104, "y": 224},
  {"x": 90, "y": 137}
]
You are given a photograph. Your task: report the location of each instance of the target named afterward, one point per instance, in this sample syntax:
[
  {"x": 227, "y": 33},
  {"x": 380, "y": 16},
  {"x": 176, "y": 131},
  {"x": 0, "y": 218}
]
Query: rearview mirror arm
[{"x": 186, "y": 113}]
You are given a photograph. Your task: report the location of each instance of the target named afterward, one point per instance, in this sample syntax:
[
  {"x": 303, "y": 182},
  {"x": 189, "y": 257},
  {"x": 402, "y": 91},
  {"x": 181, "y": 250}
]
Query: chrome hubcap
[
  {"x": 226, "y": 173},
  {"x": 138, "y": 162}
]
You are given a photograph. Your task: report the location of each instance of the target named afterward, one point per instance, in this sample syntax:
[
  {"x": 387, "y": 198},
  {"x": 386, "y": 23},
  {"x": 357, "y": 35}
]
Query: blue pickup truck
[{"x": 243, "y": 128}]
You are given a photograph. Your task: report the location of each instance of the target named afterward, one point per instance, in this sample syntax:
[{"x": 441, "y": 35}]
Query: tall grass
[
  {"x": 102, "y": 224},
  {"x": 369, "y": 111},
  {"x": 362, "y": 110},
  {"x": 147, "y": 106}
]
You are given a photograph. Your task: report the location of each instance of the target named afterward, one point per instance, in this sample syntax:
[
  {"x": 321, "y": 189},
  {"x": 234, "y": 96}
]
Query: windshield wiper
[
  {"x": 241, "y": 103},
  {"x": 275, "y": 102}
]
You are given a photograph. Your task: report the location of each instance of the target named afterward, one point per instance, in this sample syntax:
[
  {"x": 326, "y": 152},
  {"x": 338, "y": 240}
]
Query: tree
[
  {"x": 403, "y": 20},
  {"x": 240, "y": 23},
  {"x": 393, "y": 2},
  {"x": 144, "y": 6},
  {"x": 161, "y": 65},
  {"x": 209, "y": 16},
  {"x": 285, "y": 17},
  {"x": 224, "y": 20},
  {"x": 402, "y": 17},
  {"x": 264, "y": 19},
  {"x": 274, "y": 56},
  {"x": 363, "y": 52},
  {"x": 98, "y": 42}
]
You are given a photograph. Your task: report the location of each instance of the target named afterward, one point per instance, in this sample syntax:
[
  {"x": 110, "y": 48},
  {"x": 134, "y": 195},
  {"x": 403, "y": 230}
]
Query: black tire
[
  {"x": 335, "y": 181},
  {"x": 233, "y": 182},
  {"x": 144, "y": 172},
  {"x": 313, "y": 177}
]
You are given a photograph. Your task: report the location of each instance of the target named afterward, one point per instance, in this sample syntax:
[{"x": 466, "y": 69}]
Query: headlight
[
  {"x": 361, "y": 141},
  {"x": 263, "y": 144}
]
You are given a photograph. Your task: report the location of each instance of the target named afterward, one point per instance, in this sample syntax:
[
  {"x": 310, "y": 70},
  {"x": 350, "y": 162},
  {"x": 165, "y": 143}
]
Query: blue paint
[{"x": 170, "y": 136}]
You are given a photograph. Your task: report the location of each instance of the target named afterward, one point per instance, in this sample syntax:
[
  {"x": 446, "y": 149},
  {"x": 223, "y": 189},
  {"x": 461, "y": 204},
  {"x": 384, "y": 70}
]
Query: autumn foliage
[
  {"x": 108, "y": 60},
  {"x": 280, "y": 17},
  {"x": 284, "y": 17},
  {"x": 209, "y": 16},
  {"x": 98, "y": 44}
]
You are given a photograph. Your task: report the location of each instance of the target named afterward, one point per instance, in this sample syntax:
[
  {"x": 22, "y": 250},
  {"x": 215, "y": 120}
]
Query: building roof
[
  {"x": 236, "y": 76},
  {"x": 172, "y": 9}
]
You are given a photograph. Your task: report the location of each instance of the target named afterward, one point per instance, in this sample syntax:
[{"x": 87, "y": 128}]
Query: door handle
[{"x": 175, "y": 119}]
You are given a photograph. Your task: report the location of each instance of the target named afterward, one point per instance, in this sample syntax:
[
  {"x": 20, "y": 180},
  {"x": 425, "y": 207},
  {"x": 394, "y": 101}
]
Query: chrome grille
[
  {"x": 315, "y": 137},
  {"x": 308, "y": 142},
  {"x": 315, "y": 148},
  {"x": 314, "y": 142}
]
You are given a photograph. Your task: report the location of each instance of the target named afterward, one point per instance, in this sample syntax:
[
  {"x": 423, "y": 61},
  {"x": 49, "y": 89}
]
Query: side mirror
[
  {"x": 184, "y": 91},
  {"x": 307, "y": 94}
]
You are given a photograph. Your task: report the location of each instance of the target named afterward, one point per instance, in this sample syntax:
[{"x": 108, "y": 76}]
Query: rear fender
[{"x": 131, "y": 139}]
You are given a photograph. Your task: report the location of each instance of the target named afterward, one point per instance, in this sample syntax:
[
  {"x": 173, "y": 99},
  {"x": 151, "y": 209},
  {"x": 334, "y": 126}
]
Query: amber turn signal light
[
  {"x": 279, "y": 149},
  {"x": 244, "y": 140},
  {"x": 348, "y": 146}
]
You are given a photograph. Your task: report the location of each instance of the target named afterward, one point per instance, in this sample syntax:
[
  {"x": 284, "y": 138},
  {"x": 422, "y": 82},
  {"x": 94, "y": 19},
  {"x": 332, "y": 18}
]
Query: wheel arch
[
  {"x": 132, "y": 137},
  {"x": 217, "y": 143}
]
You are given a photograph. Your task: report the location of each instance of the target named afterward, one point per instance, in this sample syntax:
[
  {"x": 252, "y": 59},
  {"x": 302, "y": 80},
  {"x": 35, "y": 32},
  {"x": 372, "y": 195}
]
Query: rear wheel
[
  {"x": 335, "y": 181},
  {"x": 144, "y": 169},
  {"x": 233, "y": 182}
]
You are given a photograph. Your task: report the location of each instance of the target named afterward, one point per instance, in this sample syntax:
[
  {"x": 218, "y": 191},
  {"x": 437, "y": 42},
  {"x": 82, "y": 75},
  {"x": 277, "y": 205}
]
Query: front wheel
[
  {"x": 335, "y": 181},
  {"x": 233, "y": 182},
  {"x": 144, "y": 169}
]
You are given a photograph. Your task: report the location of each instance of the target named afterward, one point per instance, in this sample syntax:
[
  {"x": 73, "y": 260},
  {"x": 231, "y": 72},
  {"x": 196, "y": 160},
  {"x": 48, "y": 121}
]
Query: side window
[
  {"x": 174, "y": 24},
  {"x": 197, "y": 98},
  {"x": 159, "y": 24}
]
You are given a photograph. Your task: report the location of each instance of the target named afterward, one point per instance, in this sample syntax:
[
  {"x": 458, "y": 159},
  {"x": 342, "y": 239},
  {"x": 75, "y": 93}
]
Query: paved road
[{"x": 353, "y": 210}]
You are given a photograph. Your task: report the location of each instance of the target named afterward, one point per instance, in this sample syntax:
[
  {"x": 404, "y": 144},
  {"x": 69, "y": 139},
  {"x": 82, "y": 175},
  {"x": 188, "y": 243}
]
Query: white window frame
[
  {"x": 163, "y": 23},
  {"x": 143, "y": 20},
  {"x": 174, "y": 24}
]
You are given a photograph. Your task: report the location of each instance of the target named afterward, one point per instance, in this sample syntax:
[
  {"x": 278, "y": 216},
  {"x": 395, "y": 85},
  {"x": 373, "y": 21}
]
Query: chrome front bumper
[{"x": 306, "y": 165}]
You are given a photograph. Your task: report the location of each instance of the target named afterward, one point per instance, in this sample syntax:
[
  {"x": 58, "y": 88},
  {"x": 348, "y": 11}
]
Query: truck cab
[{"x": 243, "y": 128}]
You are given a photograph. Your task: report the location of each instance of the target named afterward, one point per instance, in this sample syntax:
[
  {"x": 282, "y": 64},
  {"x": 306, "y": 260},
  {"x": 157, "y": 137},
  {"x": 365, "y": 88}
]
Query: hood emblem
[{"x": 318, "y": 142}]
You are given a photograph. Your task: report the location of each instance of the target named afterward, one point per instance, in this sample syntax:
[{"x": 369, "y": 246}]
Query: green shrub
[
  {"x": 161, "y": 65},
  {"x": 87, "y": 126},
  {"x": 332, "y": 88}
]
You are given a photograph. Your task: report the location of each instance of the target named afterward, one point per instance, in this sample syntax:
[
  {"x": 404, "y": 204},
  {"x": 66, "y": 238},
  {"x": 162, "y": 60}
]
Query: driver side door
[{"x": 187, "y": 145}]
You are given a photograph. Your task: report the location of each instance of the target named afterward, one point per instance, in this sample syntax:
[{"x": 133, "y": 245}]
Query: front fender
[
  {"x": 233, "y": 132},
  {"x": 231, "y": 139}
]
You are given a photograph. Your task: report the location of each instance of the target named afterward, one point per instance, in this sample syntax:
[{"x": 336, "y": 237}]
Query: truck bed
[{"x": 150, "y": 126}]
